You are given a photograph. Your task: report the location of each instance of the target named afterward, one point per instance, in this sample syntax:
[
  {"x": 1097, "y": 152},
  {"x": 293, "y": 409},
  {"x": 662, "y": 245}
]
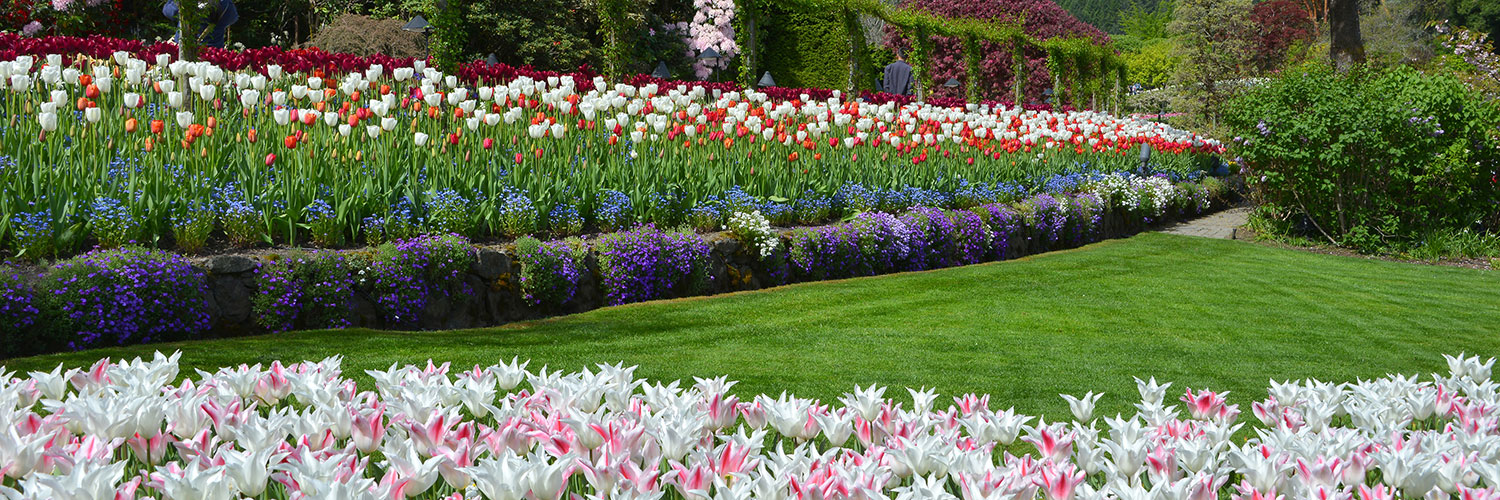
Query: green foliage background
[
  {"x": 1370, "y": 156},
  {"x": 804, "y": 48}
]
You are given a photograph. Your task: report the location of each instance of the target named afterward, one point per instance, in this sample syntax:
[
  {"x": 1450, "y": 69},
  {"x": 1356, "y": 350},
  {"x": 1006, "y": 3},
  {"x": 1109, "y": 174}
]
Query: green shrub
[
  {"x": 1370, "y": 156},
  {"x": 804, "y": 48}
]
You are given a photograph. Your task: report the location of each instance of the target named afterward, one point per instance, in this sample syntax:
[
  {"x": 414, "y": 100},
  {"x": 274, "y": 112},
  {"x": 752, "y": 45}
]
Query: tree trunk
[
  {"x": 1343, "y": 25},
  {"x": 749, "y": 50},
  {"x": 187, "y": 31}
]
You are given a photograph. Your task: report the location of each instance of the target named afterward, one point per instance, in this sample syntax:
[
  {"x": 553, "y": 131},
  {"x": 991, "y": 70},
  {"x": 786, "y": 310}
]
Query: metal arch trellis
[{"x": 1085, "y": 65}]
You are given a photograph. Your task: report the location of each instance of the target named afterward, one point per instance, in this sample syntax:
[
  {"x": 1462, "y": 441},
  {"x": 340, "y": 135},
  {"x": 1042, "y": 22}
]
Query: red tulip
[
  {"x": 270, "y": 158},
  {"x": 290, "y": 141},
  {"x": 488, "y": 143},
  {"x": 519, "y": 157}
]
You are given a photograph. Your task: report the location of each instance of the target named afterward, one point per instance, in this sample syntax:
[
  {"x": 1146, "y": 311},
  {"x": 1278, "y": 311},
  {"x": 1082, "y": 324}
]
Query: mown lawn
[{"x": 1201, "y": 313}]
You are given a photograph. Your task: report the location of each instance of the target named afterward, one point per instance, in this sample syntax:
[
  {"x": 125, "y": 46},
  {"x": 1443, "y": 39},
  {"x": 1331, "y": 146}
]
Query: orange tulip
[
  {"x": 131, "y": 125},
  {"x": 157, "y": 126}
]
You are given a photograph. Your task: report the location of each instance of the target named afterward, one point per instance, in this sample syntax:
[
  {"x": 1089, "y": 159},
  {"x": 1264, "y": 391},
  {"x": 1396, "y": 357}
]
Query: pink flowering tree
[{"x": 712, "y": 27}]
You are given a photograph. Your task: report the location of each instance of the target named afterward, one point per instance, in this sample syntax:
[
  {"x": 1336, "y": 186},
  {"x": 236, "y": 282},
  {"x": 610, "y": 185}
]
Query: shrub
[
  {"x": 449, "y": 212},
  {"x": 754, "y": 231},
  {"x": 113, "y": 223},
  {"x": 311, "y": 290},
  {"x": 18, "y": 315},
  {"x": 1085, "y": 216},
  {"x": 403, "y": 275},
  {"x": 365, "y": 36},
  {"x": 32, "y": 233},
  {"x": 646, "y": 263},
  {"x": 518, "y": 215},
  {"x": 1004, "y": 224},
  {"x": 323, "y": 223},
  {"x": 243, "y": 223},
  {"x": 126, "y": 296},
  {"x": 1368, "y": 156},
  {"x": 883, "y": 239},
  {"x": 192, "y": 222},
  {"x": 549, "y": 271},
  {"x": 796, "y": 47},
  {"x": 612, "y": 210}
]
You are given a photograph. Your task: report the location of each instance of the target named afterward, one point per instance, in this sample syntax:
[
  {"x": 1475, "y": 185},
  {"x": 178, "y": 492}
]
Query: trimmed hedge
[{"x": 804, "y": 48}]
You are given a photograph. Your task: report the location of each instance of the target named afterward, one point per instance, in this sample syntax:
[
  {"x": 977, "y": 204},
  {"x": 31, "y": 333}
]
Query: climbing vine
[
  {"x": 618, "y": 19},
  {"x": 449, "y": 36}
]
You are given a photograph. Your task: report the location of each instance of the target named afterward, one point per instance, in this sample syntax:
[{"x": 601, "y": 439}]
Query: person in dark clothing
[
  {"x": 897, "y": 77},
  {"x": 221, "y": 14}
]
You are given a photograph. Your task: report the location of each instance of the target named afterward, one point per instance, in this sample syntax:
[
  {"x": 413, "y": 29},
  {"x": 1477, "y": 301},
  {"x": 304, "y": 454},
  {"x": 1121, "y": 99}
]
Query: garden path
[{"x": 1223, "y": 225}]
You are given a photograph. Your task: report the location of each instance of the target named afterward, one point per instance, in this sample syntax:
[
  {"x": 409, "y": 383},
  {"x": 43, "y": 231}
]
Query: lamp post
[
  {"x": 766, "y": 81},
  {"x": 420, "y": 25},
  {"x": 709, "y": 57}
]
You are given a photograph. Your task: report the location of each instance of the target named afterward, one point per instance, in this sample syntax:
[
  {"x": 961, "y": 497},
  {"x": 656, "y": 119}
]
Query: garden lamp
[
  {"x": 710, "y": 58},
  {"x": 661, "y": 71},
  {"x": 766, "y": 80},
  {"x": 952, "y": 83},
  {"x": 1048, "y": 93},
  {"x": 1145, "y": 155},
  {"x": 492, "y": 60},
  {"x": 417, "y": 25}
]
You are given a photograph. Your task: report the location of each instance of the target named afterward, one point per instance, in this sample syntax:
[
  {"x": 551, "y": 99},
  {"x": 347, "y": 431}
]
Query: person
[
  {"x": 221, "y": 14},
  {"x": 897, "y": 77}
]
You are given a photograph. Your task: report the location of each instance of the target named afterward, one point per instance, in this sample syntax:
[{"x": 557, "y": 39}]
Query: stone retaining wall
[{"x": 489, "y": 295}]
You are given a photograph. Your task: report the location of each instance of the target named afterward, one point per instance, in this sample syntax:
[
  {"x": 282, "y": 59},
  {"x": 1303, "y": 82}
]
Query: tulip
[
  {"x": 421, "y": 139},
  {"x": 47, "y": 120}
]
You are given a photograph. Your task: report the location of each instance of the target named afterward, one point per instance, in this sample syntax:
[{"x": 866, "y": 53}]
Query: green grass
[{"x": 1221, "y": 314}]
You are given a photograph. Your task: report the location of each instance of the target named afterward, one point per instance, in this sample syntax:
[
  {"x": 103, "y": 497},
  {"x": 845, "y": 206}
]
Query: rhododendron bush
[{"x": 133, "y": 429}]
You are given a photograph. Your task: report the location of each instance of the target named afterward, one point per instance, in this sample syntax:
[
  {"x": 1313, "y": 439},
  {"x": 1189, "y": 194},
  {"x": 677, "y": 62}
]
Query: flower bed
[
  {"x": 193, "y": 154},
  {"x": 128, "y": 429},
  {"x": 132, "y": 295}
]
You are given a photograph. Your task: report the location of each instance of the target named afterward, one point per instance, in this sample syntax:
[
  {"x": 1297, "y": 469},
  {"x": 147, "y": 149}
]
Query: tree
[
  {"x": 1479, "y": 15},
  {"x": 1146, "y": 24},
  {"x": 1343, "y": 25},
  {"x": 1213, "y": 36},
  {"x": 1279, "y": 25}
]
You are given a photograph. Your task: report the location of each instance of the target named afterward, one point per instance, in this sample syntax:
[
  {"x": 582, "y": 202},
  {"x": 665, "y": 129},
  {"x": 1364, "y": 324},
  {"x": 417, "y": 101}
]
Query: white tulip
[
  {"x": 48, "y": 121},
  {"x": 184, "y": 118}
]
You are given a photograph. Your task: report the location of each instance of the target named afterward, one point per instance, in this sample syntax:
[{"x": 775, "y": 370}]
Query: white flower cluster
[
  {"x": 754, "y": 230},
  {"x": 1150, "y": 195},
  {"x": 1118, "y": 190},
  {"x": 1156, "y": 194}
]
